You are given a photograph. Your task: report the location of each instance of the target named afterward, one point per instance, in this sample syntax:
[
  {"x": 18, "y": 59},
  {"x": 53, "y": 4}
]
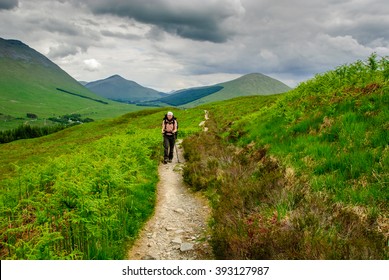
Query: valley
[{"x": 296, "y": 174}]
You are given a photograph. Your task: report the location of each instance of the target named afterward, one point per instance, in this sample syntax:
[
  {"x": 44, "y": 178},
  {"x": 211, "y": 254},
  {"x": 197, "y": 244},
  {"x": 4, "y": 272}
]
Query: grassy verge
[{"x": 303, "y": 175}]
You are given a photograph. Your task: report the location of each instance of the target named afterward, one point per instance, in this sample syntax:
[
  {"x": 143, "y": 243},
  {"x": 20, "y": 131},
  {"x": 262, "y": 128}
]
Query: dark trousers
[{"x": 168, "y": 144}]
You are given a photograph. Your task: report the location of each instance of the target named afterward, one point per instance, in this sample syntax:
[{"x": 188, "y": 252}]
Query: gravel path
[{"x": 178, "y": 228}]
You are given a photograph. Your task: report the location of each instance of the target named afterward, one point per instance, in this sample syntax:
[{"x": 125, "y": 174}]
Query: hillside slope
[
  {"x": 83, "y": 192},
  {"x": 29, "y": 83},
  {"x": 186, "y": 96},
  {"x": 251, "y": 84},
  {"x": 302, "y": 175},
  {"x": 119, "y": 89}
]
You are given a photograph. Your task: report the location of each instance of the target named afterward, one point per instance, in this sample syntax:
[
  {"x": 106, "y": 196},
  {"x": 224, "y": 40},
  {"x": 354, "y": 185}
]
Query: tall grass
[
  {"x": 82, "y": 205},
  {"x": 303, "y": 175},
  {"x": 82, "y": 193}
]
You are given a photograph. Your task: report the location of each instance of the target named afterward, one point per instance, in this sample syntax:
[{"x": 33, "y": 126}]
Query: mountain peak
[
  {"x": 250, "y": 84},
  {"x": 17, "y": 50},
  {"x": 119, "y": 80},
  {"x": 115, "y": 79},
  {"x": 116, "y": 76},
  {"x": 12, "y": 42},
  {"x": 254, "y": 75},
  {"x": 42, "y": 86},
  {"x": 120, "y": 89}
]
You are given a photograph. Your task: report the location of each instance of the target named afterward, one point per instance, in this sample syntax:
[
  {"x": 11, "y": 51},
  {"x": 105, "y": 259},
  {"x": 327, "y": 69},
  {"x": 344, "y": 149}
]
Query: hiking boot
[
  {"x": 165, "y": 161},
  {"x": 170, "y": 160}
]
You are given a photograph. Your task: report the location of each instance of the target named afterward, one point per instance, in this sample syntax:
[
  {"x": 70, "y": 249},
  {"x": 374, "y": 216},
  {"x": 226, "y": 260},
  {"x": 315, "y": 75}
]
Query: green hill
[
  {"x": 251, "y": 84},
  {"x": 83, "y": 192},
  {"x": 122, "y": 90},
  {"x": 189, "y": 95},
  {"x": 300, "y": 175},
  {"x": 303, "y": 175},
  {"x": 29, "y": 83}
]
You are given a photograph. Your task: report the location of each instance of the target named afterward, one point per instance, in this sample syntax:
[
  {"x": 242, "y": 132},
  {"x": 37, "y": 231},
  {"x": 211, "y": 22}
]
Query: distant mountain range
[
  {"x": 250, "y": 84},
  {"x": 31, "y": 83},
  {"x": 119, "y": 89}
]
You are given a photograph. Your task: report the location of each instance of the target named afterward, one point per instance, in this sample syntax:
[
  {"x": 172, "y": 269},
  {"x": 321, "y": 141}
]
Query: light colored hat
[{"x": 169, "y": 113}]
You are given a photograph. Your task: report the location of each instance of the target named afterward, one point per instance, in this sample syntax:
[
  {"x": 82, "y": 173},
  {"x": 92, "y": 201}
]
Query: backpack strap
[
  {"x": 174, "y": 120},
  {"x": 175, "y": 126}
]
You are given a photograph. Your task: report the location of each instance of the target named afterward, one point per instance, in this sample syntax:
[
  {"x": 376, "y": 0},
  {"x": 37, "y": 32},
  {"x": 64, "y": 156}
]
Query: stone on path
[
  {"x": 177, "y": 240},
  {"x": 170, "y": 229},
  {"x": 179, "y": 210},
  {"x": 186, "y": 247},
  {"x": 149, "y": 257}
]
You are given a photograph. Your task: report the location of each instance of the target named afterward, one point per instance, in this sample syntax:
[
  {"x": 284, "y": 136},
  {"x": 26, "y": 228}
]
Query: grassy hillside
[
  {"x": 29, "y": 82},
  {"x": 302, "y": 175},
  {"x": 189, "y": 95},
  {"x": 251, "y": 84},
  {"x": 120, "y": 89},
  {"x": 84, "y": 192}
]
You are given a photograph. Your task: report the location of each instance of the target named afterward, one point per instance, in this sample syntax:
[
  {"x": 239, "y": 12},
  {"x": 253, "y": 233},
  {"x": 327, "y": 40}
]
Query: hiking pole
[
  {"x": 163, "y": 145},
  {"x": 178, "y": 159}
]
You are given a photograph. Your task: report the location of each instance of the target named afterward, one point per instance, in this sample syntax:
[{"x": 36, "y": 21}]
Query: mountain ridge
[
  {"x": 246, "y": 85},
  {"x": 120, "y": 89},
  {"x": 29, "y": 83}
]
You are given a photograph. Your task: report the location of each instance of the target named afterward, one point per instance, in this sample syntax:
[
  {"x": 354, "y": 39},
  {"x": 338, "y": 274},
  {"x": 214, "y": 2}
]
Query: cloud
[
  {"x": 156, "y": 34},
  {"x": 54, "y": 25},
  {"x": 62, "y": 50},
  {"x": 203, "y": 21},
  {"x": 122, "y": 35},
  {"x": 61, "y": 27},
  {"x": 168, "y": 44},
  {"x": 92, "y": 65},
  {"x": 302, "y": 39},
  {"x": 8, "y": 4}
]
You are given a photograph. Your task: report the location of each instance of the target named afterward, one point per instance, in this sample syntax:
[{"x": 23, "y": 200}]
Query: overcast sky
[{"x": 174, "y": 44}]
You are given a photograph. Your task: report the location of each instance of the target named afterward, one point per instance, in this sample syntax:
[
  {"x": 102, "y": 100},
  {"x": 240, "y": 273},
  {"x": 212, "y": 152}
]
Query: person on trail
[{"x": 169, "y": 130}]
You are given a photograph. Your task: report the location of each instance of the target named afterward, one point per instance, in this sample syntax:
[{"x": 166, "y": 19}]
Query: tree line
[{"x": 26, "y": 131}]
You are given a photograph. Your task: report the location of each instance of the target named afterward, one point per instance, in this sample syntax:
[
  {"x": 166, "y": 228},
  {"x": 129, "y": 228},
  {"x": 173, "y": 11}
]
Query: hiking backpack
[{"x": 173, "y": 119}]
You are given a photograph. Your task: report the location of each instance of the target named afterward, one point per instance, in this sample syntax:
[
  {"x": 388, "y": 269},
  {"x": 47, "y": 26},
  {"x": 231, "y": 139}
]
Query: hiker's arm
[
  {"x": 175, "y": 127},
  {"x": 163, "y": 127}
]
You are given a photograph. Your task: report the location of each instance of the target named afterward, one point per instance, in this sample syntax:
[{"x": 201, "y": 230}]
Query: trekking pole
[{"x": 178, "y": 159}]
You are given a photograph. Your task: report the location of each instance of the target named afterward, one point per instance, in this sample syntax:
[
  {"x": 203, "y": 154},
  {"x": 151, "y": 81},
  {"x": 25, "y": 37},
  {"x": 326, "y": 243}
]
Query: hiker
[{"x": 169, "y": 131}]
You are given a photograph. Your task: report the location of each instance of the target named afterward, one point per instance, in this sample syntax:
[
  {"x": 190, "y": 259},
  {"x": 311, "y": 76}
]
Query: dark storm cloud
[
  {"x": 8, "y": 4},
  {"x": 202, "y": 21},
  {"x": 289, "y": 39},
  {"x": 365, "y": 30}
]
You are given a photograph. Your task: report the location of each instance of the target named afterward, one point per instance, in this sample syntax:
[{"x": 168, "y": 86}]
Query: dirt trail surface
[{"x": 178, "y": 228}]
